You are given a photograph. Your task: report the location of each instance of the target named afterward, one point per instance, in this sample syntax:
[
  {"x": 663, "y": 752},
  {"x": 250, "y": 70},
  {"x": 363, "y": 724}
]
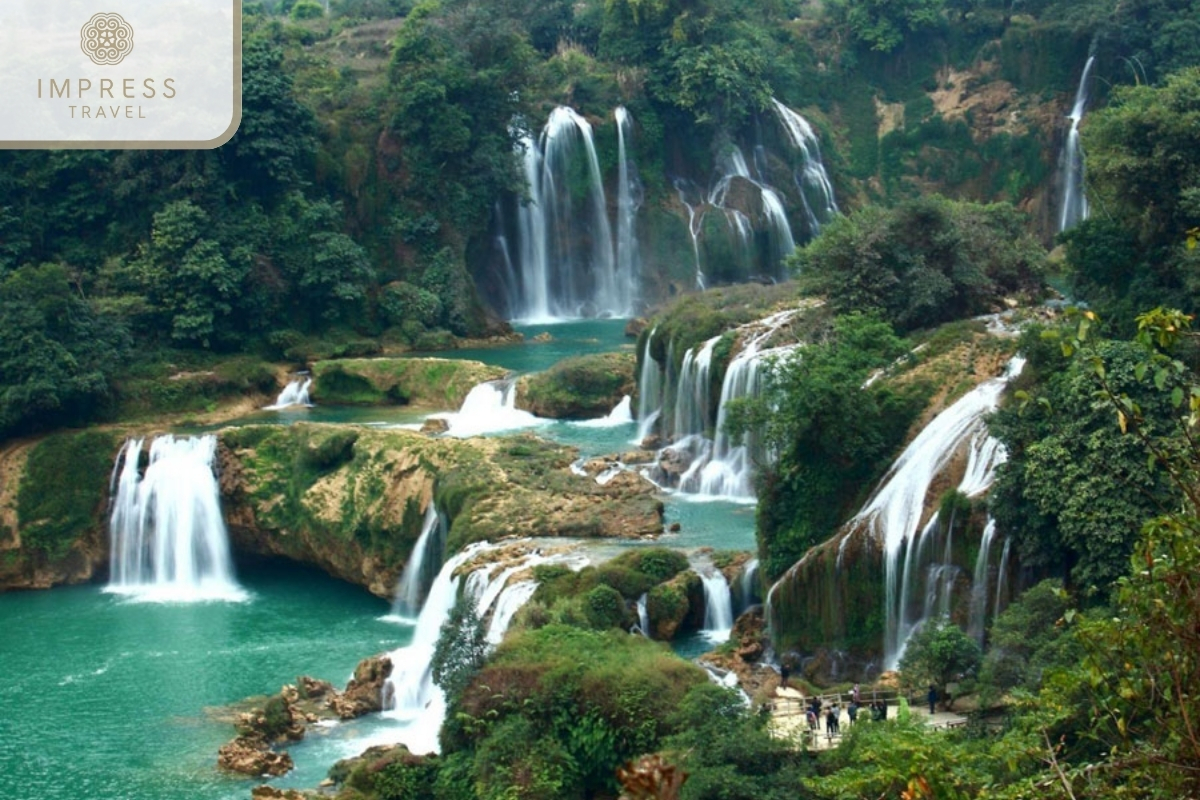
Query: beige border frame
[{"x": 186, "y": 144}]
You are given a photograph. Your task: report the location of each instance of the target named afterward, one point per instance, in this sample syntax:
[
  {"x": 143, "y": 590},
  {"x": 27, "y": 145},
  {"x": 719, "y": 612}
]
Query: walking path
[{"x": 789, "y": 719}]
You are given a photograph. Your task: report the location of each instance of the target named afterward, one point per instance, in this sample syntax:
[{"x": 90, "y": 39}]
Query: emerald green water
[
  {"x": 581, "y": 337},
  {"x": 105, "y": 699}
]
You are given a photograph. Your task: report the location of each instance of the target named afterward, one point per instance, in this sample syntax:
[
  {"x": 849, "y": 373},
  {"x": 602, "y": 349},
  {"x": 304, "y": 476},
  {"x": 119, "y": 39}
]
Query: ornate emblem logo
[{"x": 106, "y": 38}]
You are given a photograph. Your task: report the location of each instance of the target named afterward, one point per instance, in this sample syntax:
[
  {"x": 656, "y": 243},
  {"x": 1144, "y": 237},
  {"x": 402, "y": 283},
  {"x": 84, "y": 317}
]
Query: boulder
[
  {"x": 251, "y": 755},
  {"x": 271, "y": 793},
  {"x": 435, "y": 425},
  {"x": 364, "y": 692}
]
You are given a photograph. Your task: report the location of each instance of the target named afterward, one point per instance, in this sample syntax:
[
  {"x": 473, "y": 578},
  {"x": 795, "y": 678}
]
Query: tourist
[
  {"x": 933, "y": 696},
  {"x": 831, "y": 722},
  {"x": 852, "y": 711},
  {"x": 783, "y": 676},
  {"x": 854, "y": 695}
]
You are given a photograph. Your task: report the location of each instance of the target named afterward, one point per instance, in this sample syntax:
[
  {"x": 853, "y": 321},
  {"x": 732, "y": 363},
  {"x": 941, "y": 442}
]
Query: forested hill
[{"x": 359, "y": 207}]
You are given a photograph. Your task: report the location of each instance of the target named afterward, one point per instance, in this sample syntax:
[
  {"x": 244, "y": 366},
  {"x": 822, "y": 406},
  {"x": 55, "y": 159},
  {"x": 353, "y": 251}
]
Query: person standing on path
[{"x": 933, "y": 696}]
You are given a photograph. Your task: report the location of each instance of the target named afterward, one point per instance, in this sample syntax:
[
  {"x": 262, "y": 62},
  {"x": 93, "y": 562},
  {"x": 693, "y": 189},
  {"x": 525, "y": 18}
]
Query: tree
[
  {"x": 461, "y": 649},
  {"x": 939, "y": 653}
]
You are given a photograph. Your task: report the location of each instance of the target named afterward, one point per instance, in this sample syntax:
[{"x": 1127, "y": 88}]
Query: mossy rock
[
  {"x": 676, "y": 606},
  {"x": 437, "y": 383},
  {"x": 53, "y": 494},
  {"x": 584, "y": 387}
]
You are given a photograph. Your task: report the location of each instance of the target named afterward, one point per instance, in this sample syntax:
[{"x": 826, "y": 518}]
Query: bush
[
  {"x": 401, "y": 302},
  {"x": 307, "y": 9},
  {"x": 604, "y": 607}
]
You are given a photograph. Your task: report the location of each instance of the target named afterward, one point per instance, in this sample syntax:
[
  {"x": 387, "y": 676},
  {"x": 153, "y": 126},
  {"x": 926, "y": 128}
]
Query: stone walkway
[{"x": 789, "y": 719}]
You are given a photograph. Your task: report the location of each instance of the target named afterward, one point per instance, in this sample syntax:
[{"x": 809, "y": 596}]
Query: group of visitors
[{"x": 832, "y": 713}]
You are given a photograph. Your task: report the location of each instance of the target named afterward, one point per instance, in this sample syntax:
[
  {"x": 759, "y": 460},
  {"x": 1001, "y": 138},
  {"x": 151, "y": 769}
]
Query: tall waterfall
[
  {"x": 294, "y": 394},
  {"x": 749, "y": 587},
  {"x": 894, "y": 513},
  {"x": 685, "y": 188},
  {"x": 782, "y": 243},
  {"x": 422, "y": 567},
  {"x": 718, "y": 606},
  {"x": 812, "y": 182},
  {"x": 168, "y": 538},
  {"x": 566, "y": 262},
  {"x": 629, "y": 200},
  {"x": 979, "y": 583},
  {"x": 1074, "y": 195}
]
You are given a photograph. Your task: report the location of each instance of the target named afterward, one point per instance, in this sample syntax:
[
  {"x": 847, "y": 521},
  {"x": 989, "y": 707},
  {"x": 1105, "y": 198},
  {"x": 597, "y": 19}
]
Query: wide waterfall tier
[
  {"x": 703, "y": 459},
  {"x": 565, "y": 263},
  {"x": 1074, "y": 205},
  {"x": 167, "y": 536},
  {"x": 294, "y": 394}
]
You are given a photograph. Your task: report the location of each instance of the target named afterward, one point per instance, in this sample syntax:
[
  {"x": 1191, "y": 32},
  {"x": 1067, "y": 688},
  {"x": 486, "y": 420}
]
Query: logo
[{"x": 106, "y": 39}]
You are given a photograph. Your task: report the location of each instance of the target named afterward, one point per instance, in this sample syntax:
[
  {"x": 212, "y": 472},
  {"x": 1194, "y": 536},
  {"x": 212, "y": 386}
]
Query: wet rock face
[{"x": 364, "y": 692}]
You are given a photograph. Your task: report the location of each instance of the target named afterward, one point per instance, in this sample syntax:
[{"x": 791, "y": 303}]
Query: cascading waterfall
[
  {"x": 507, "y": 605},
  {"x": 718, "y": 606},
  {"x": 682, "y": 187},
  {"x": 566, "y": 260},
  {"x": 629, "y": 200},
  {"x": 1074, "y": 196},
  {"x": 650, "y": 392},
  {"x": 1002, "y": 576},
  {"x": 782, "y": 241},
  {"x": 893, "y": 514},
  {"x": 168, "y": 538},
  {"x": 489, "y": 407},
  {"x": 812, "y": 182},
  {"x": 409, "y": 694},
  {"x": 422, "y": 566},
  {"x": 294, "y": 394}
]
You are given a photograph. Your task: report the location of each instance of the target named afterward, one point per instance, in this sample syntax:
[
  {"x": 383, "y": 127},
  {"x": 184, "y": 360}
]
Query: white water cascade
[
  {"x": 979, "y": 583},
  {"x": 168, "y": 538},
  {"x": 1074, "y": 195},
  {"x": 566, "y": 264},
  {"x": 812, "y": 182},
  {"x": 622, "y": 414},
  {"x": 489, "y": 407},
  {"x": 643, "y": 615},
  {"x": 650, "y": 393},
  {"x": 695, "y": 220},
  {"x": 422, "y": 566},
  {"x": 294, "y": 394},
  {"x": 409, "y": 694},
  {"x": 748, "y": 586},
  {"x": 718, "y": 606},
  {"x": 893, "y": 515}
]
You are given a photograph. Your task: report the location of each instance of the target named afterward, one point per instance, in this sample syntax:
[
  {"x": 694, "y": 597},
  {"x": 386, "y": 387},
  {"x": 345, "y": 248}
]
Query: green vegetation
[
  {"x": 579, "y": 388},
  {"x": 923, "y": 262},
  {"x": 460, "y": 650},
  {"x": 63, "y": 489},
  {"x": 430, "y": 382},
  {"x": 938, "y": 654}
]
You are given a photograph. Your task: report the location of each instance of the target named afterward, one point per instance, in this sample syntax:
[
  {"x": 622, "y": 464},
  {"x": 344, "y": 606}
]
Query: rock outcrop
[
  {"x": 364, "y": 692},
  {"x": 585, "y": 387},
  {"x": 433, "y": 383}
]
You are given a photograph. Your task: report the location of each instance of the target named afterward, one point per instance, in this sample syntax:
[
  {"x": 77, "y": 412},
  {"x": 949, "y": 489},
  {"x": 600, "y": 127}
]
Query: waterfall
[
  {"x": 694, "y": 221},
  {"x": 650, "y": 392},
  {"x": 168, "y": 538},
  {"x": 489, "y": 407},
  {"x": 724, "y": 465},
  {"x": 422, "y": 566},
  {"x": 622, "y": 414},
  {"x": 507, "y": 605},
  {"x": 1001, "y": 577},
  {"x": 894, "y": 513},
  {"x": 748, "y": 585},
  {"x": 816, "y": 191},
  {"x": 294, "y": 394},
  {"x": 410, "y": 695},
  {"x": 1074, "y": 195},
  {"x": 718, "y": 606},
  {"x": 629, "y": 200},
  {"x": 567, "y": 266},
  {"x": 780, "y": 231},
  {"x": 643, "y": 615},
  {"x": 979, "y": 583}
]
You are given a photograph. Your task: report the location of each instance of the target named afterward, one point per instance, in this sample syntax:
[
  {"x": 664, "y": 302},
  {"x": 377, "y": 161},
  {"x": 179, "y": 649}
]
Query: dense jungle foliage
[{"x": 351, "y": 215}]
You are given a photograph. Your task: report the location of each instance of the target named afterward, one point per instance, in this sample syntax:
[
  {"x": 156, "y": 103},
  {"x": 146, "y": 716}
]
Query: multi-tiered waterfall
[
  {"x": 915, "y": 566},
  {"x": 422, "y": 566},
  {"x": 1074, "y": 207},
  {"x": 168, "y": 538},
  {"x": 718, "y": 464},
  {"x": 566, "y": 262},
  {"x": 410, "y": 695}
]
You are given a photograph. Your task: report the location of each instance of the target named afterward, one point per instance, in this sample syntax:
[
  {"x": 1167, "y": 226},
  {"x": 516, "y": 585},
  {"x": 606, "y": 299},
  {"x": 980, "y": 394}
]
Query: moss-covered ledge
[
  {"x": 53, "y": 495},
  {"x": 351, "y": 500},
  {"x": 583, "y": 387},
  {"x": 435, "y": 383}
]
